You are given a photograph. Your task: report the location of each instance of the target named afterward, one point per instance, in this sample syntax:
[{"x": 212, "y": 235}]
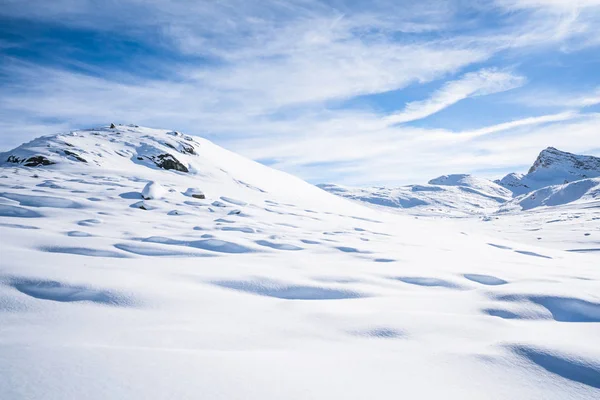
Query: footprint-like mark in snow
[
  {"x": 239, "y": 229},
  {"x": 50, "y": 184},
  {"x": 155, "y": 251},
  {"x": 307, "y": 241},
  {"x": 364, "y": 219},
  {"x": 563, "y": 309},
  {"x": 568, "y": 309},
  {"x": 18, "y": 226},
  {"x": 505, "y": 314},
  {"x": 131, "y": 195},
  {"x": 216, "y": 245},
  {"x": 57, "y": 291},
  {"x": 566, "y": 366},
  {"x": 89, "y": 222},
  {"x": 83, "y": 251},
  {"x": 531, "y": 253},
  {"x": 346, "y": 249},
  {"x": 499, "y": 246},
  {"x": 381, "y": 333},
  {"x": 278, "y": 246},
  {"x": 18, "y": 212},
  {"x": 584, "y": 250},
  {"x": 234, "y": 201},
  {"x": 79, "y": 234},
  {"x": 485, "y": 279},
  {"x": 426, "y": 281},
  {"x": 288, "y": 292},
  {"x": 41, "y": 201}
]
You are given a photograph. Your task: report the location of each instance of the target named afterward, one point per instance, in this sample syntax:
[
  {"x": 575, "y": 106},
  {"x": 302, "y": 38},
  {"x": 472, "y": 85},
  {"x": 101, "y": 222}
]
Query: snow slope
[
  {"x": 467, "y": 195},
  {"x": 578, "y": 192},
  {"x": 456, "y": 195},
  {"x": 268, "y": 288},
  {"x": 552, "y": 167}
]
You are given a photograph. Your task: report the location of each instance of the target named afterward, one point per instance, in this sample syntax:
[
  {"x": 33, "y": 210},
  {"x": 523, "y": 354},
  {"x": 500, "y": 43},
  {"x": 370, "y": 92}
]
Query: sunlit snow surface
[{"x": 270, "y": 288}]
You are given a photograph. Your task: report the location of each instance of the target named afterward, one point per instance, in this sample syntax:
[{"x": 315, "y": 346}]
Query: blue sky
[{"x": 359, "y": 93}]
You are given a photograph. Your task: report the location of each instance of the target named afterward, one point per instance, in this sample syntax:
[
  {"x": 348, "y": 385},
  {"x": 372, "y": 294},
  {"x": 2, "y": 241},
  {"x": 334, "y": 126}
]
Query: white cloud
[
  {"x": 271, "y": 75},
  {"x": 472, "y": 84},
  {"x": 554, "y": 98}
]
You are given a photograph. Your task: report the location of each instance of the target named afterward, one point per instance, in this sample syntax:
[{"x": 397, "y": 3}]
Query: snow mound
[
  {"x": 153, "y": 190},
  {"x": 195, "y": 193}
]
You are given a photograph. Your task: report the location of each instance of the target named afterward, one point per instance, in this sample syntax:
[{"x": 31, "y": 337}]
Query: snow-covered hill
[
  {"x": 456, "y": 195},
  {"x": 582, "y": 191},
  {"x": 231, "y": 280},
  {"x": 552, "y": 167},
  {"x": 464, "y": 195}
]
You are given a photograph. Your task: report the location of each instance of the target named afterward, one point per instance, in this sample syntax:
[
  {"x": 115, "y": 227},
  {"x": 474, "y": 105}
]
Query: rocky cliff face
[{"x": 554, "y": 159}]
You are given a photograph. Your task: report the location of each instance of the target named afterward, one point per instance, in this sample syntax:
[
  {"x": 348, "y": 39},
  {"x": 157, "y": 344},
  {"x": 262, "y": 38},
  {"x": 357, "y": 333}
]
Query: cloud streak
[
  {"x": 331, "y": 91},
  {"x": 473, "y": 84}
]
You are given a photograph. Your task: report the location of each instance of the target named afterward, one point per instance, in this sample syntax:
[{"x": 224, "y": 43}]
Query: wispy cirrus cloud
[
  {"x": 329, "y": 90},
  {"x": 472, "y": 84}
]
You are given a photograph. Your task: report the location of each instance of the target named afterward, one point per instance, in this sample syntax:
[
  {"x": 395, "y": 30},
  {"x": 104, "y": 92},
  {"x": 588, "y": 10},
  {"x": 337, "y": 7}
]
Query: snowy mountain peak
[
  {"x": 106, "y": 147},
  {"x": 552, "y": 158},
  {"x": 552, "y": 167},
  {"x": 469, "y": 181},
  {"x": 177, "y": 160}
]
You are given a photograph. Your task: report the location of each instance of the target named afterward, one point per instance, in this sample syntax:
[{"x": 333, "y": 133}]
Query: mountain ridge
[
  {"x": 465, "y": 194},
  {"x": 552, "y": 167}
]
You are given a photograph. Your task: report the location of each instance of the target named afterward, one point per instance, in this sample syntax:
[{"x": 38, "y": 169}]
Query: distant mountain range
[{"x": 555, "y": 178}]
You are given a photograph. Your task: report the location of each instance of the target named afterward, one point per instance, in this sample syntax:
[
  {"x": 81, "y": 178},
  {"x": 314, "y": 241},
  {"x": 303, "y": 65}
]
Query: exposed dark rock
[
  {"x": 169, "y": 145},
  {"x": 199, "y": 196},
  {"x": 13, "y": 159},
  {"x": 167, "y": 161},
  {"x": 31, "y": 161},
  {"x": 37, "y": 160},
  {"x": 75, "y": 156},
  {"x": 112, "y": 126},
  {"x": 187, "y": 148},
  {"x": 552, "y": 156}
]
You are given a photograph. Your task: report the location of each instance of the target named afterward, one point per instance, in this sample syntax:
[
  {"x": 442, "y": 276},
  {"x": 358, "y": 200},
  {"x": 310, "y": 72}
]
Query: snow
[
  {"x": 194, "y": 192},
  {"x": 152, "y": 191},
  {"x": 552, "y": 167},
  {"x": 581, "y": 191},
  {"x": 455, "y": 195},
  {"x": 302, "y": 294}
]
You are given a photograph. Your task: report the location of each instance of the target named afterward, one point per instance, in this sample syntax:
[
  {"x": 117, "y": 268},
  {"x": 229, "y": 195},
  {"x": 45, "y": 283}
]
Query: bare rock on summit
[{"x": 34, "y": 161}]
